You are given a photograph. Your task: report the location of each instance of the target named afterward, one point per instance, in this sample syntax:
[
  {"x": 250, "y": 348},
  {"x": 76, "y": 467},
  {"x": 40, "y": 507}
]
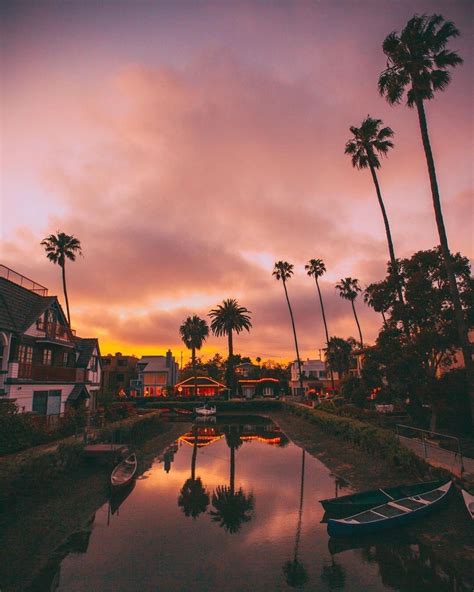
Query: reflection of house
[
  {"x": 205, "y": 386},
  {"x": 201, "y": 436},
  {"x": 264, "y": 387},
  {"x": 44, "y": 367},
  {"x": 315, "y": 376},
  {"x": 205, "y": 436},
  {"x": 157, "y": 376},
  {"x": 117, "y": 372}
]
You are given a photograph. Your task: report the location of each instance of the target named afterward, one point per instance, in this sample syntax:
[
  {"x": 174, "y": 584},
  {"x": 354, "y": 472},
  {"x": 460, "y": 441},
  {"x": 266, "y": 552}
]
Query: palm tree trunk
[
  {"x": 443, "y": 239},
  {"x": 358, "y": 325},
  {"x": 296, "y": 341},
  {"x": 230, "y": 364},
  {"x": 232, "y": 469},
  {"x": 63, "y": 268},
  {"x": 325, "y": 328},
  {"x": 391, "y": 250},
  {"x": 194, "y": 457},
  {"x": 193, "y": 357}
]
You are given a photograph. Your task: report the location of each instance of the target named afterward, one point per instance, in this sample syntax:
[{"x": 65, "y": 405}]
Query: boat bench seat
[{"x": 410, "y": 504}]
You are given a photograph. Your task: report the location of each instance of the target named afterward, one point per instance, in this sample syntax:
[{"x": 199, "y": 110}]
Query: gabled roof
[
  {"x": 152, "y": 364},
  {"x": 19, "y": 307},
  {"x": 85, "y": 347},
  {"x": 77, "y": 392},
  {"x": 201, "y": 381}
]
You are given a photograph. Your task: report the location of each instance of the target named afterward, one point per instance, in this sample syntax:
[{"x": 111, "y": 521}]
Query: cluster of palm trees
[
  {"x": 418, "y": 63},
  {"x": 348, "y": 289},
  {"x": 226, "y": 319}
]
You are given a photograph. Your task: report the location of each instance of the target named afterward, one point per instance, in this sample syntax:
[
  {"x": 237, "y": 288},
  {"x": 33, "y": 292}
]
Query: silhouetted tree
[
  {"x": 348, "y": 289},
  {"x": 194, "y": 332}
]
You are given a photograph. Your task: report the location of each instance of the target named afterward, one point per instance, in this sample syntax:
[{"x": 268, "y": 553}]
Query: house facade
[
  {"x": 44, "y": 367},
  {"x": 316, "y": 377},
  {"x": 262, "y": 387},
  {"x": 117, "y": 373},
  {"x": 202, "y": 386},
  {"x": 156, "y": 376}
]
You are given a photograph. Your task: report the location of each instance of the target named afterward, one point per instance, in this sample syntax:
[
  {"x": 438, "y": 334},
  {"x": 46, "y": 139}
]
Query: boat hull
[
  {"x": 348, "y": 505},
  {"x": 348, "y": 526}
]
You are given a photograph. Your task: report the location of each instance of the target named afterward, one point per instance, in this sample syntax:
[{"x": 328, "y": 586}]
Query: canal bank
[
  {"x": 448, "y": 533},
  {"x": 43, "y": 525}
]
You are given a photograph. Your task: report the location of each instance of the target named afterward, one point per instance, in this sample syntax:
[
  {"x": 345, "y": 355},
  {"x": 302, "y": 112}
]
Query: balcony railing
[
  {"x": 45, "y": 373},
  {"x": 55, "y": 330},
  {"x": 22, "y": 280}
]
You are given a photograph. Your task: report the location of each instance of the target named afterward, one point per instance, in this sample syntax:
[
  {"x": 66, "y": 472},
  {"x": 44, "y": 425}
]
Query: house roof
[
  {"x": 152, "y": 364},
  {"x": 78, "y": 391},
  {"x": 86, "y": 346},
  {"x": 258, "y": 381},
  {"x": 19, "y": 307},
  {"x": 201, "y": 381}
]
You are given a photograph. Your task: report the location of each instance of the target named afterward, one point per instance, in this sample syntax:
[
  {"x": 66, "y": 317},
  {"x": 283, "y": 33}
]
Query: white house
[
  {"x": 315, "y": 376},
  {"x": 156, "y": 376},
  {"x": 44, "y": 366}
]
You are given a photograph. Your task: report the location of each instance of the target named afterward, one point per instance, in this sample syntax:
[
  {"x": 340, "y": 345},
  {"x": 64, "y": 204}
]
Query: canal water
[{"x": 234, "y": 507}]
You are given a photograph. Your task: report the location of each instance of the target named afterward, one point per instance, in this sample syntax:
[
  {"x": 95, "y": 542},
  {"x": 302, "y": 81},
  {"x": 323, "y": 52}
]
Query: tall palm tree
[
  {"x": 193, "y": 497},
  {"x": 295, "y": 572},
  {"x": 232, "y": 508},
  {"x": 227, "y": 318},
  {"x": 418, "y": 62},
  {"x": 194, "y": 332},
  {"x": 369, "y": 142},
  {"x": 316, "y": 268},
  {"x": 348, "y": 289},
  {"x": 338, "y": 354},
  {"x": 283, "y": 271},
  {"x": 60, "y": 247}
]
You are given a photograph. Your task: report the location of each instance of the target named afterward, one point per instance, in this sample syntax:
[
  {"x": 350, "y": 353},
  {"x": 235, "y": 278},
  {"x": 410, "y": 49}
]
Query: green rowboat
[{"x": 347, "y": 505}]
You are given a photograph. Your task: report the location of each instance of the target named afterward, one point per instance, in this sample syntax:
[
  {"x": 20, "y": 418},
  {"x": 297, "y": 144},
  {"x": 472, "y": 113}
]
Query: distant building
[
  {"x": 204, "y": 385},
  {"x": 262, "y": 387},
  {"x": 44, "y": 366},
  {"x": 316, "y": 376},
  {"x": 247, "y": 370},
  {"x": 117, "y": 373},
  {"x": 156, "y": 376}
]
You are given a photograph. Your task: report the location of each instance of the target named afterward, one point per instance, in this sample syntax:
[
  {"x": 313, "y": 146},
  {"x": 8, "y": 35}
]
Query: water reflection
[
  {"x": 246, "y": 477},
  {"x": 295, "y": 572}
]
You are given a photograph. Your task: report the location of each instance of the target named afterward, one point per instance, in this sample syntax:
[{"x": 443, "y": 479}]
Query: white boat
[
  {"x": 124, "y": 472},
  {"x": 205, "y": 410},
  {"x": 469, "y": 501}
]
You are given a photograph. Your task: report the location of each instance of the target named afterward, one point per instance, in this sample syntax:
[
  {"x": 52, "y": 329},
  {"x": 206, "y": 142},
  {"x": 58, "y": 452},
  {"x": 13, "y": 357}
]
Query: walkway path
[{"x": 439, "y": 457}]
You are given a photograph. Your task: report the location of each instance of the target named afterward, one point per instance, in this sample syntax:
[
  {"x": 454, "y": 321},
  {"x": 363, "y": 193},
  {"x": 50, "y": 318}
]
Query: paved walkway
[{"x": 439, "y": 457}]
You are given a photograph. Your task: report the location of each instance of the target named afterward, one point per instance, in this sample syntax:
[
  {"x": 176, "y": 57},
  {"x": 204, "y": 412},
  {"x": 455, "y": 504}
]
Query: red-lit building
[
  {"x": 262, "y": 387},
  {"x": 205, "y": 386}
]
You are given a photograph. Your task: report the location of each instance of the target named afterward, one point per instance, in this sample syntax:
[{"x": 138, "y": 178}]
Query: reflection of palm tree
[
  {"x": 333, "y": 575},
  {"x": 295, "y": 572},
  {"x": 232, "y": 508},
  {"x": 193, "y": 497}
]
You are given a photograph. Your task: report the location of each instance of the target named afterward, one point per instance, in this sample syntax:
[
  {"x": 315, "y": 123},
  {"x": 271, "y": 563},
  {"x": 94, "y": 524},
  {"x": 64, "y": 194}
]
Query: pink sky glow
[{"x": 190, "y": 145}]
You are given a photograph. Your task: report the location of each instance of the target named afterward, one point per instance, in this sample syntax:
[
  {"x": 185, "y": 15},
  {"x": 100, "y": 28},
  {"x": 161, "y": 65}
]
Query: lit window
[{"x": 47, "y": 357}]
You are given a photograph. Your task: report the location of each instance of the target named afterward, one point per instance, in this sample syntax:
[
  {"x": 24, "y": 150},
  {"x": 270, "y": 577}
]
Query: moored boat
[
  {"x": 469, "y": 501},
  {"x": 393, "y": 513},
  {"x": 205, "y": 410},
  {"x": 353, "y": 503},
  {"x": 124, "y": 472}
]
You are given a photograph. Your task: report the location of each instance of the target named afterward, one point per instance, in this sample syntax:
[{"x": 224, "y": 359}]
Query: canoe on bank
[
  {"x": 393, "y": 513},
  {"x": 348, "y": 505},
  {"x": 124, "y": 472}
]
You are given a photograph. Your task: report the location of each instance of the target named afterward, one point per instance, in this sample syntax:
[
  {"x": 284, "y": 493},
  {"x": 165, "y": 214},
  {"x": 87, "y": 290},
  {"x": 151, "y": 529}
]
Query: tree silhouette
[
  {"x": 232, "y": 508},
  {"x": 194, "y": 332},
  {"x": 417, "y": 62},
  {"x": 227, "y": 318},
  {"x": 295, "y": 572},
  {"x": 316, "y": 268},
  {"x": 58, "y": 248},
  {"x": 193, "y": 497},
  {"x": 348, "y": 290},
  {"x": 283, "y": 271}
]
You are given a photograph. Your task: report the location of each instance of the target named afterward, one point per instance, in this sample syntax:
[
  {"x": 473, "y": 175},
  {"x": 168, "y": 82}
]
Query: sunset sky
[{"x": 190, "y": 145}]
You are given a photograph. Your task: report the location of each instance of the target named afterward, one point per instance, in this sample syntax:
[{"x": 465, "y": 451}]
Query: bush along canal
[{"x": 229, "y": 504}]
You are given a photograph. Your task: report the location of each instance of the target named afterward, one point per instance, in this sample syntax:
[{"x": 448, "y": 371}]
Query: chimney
[{"x": 169, "y": 358}]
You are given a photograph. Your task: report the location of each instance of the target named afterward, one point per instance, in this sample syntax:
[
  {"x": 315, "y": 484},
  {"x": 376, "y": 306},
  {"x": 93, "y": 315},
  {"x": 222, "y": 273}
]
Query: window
[
  {"x": 106, "y": 361},
  {"x": 65, "y": 359},
  {"x": 322, "y": 374},
  {"x": 120, "y": 377},
  {"x": 93, "y": 366},
  {"x": 47, "y": 402},
  {"x": 47, "y": 357},
  {"x": 25, "y": 354},
  {"x": 121, "y": 362}
]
